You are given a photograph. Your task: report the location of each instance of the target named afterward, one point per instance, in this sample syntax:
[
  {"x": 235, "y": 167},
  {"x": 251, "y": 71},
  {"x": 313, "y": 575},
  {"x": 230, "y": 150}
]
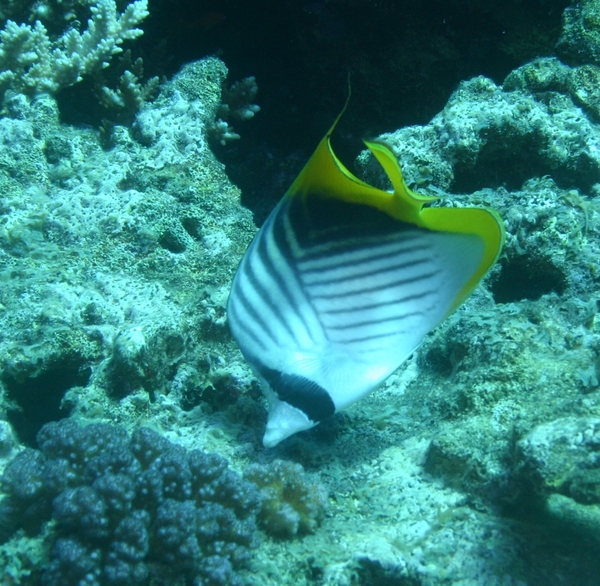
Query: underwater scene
[{"x": 299, "y": 293}]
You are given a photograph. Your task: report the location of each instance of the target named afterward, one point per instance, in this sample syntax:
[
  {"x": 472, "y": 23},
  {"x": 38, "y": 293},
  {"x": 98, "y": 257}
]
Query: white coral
[{"x": 32, "y": 63}]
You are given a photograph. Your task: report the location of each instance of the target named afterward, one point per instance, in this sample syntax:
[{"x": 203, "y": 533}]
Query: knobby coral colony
[
  {"x": 129, "y": 509},
  {"x": 344, "y": 280}
]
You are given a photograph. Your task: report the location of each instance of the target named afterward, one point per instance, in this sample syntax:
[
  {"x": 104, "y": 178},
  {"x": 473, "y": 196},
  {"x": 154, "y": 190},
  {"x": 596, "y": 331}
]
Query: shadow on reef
[
  {"x": 497, "y": 166},
  {"x": 541, "y": 536},
  {"x": 404, "y": 59}
]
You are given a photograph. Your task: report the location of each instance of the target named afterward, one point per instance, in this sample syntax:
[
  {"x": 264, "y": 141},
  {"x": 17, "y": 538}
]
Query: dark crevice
[
  {"x": 499, "y": 165},
  {"x": 527, "y": 277},
  {"x": 37, "y": 400}
]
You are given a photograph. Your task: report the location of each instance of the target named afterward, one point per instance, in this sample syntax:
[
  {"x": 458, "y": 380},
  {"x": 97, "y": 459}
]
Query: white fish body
[{"x": 342, "y": 283}]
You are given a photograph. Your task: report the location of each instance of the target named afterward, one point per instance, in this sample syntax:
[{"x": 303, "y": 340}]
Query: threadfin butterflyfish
[{"x": 344, "y": 280}]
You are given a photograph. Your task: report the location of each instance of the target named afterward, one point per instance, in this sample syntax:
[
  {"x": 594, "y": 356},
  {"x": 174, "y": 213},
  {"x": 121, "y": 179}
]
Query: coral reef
[
  {"x": 562, "y": 457},
  {"x": 579, "y": 42},
  {"x": 462, "y": 149},
  {"x": 474, "y": 464},
  {"x": 558, "y": 464},
  {"x": 128, "y": 510},
  {"x": 483, "y": 368},
  {"x": 292, "y": 503},
  {"x": 159, "y": 206},
  {"x": 131, "y": 93}
]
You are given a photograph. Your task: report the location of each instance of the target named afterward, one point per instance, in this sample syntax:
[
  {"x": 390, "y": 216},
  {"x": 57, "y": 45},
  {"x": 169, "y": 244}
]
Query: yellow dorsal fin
[
  {"x": 407, "y": 203},
  {"x": 325, "y": 175}
]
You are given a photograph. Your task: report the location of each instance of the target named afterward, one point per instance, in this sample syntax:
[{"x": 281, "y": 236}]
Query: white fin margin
[{"x": 284, "y": 421}]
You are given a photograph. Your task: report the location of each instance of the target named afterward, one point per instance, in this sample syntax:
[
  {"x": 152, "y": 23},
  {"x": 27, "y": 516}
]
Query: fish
[{"x": 344, "y": 280}]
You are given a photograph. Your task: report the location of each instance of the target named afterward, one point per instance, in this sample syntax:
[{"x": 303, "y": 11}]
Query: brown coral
[{"x": 292, "y": 501}]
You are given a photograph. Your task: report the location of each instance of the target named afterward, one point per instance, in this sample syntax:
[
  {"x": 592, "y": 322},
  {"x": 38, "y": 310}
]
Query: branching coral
[
  {"x": 131, "y": 93},
  {"x": 236, "y": 104},
  {"x": 31, "y": 62}
]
